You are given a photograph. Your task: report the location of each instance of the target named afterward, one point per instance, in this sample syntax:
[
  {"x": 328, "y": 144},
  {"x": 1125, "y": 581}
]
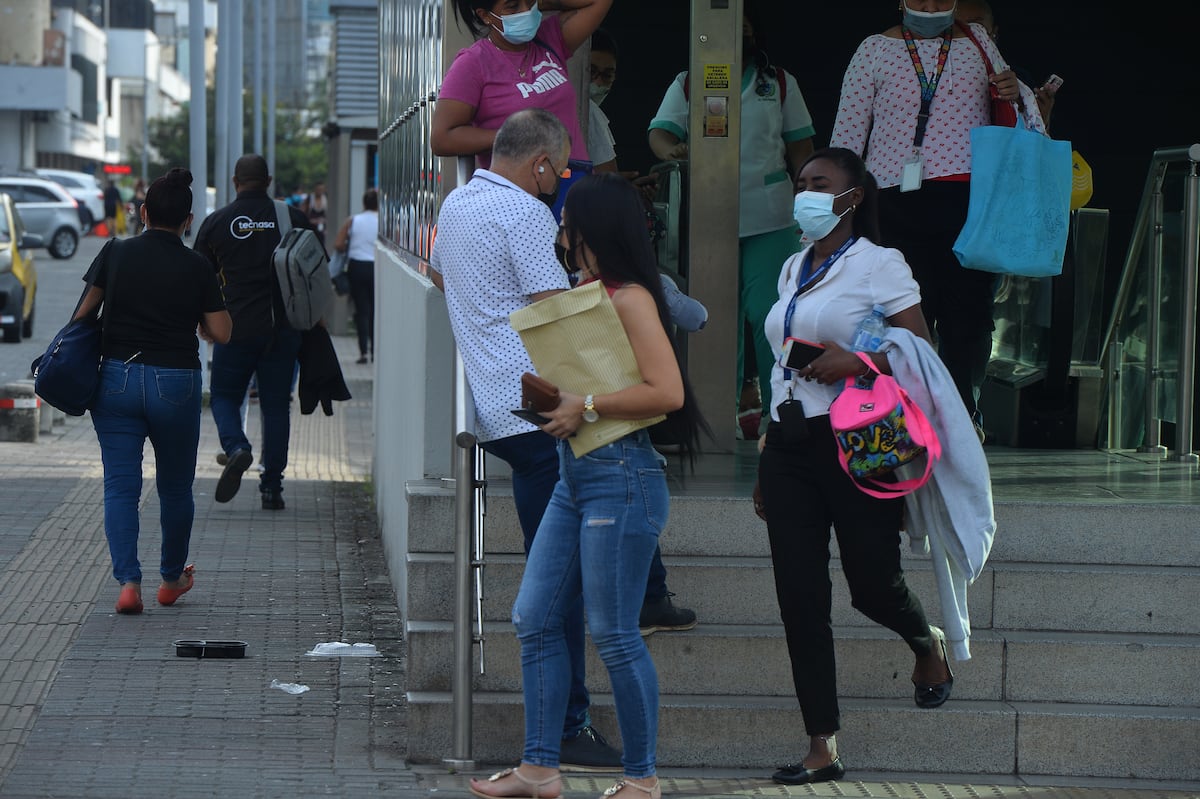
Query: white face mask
[
  {"x": 813, "y": 212},
  {"x": 598, "y": 92}
]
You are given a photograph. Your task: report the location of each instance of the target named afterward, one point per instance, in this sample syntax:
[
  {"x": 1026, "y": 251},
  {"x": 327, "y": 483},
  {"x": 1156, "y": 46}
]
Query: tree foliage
[{"x": 301, "y": 158}]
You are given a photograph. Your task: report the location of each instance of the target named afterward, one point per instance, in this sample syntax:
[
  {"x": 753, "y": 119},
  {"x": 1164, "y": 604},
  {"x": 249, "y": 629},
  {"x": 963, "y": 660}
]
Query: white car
[
  {"x": 47, "y": 211},
  {"x": 84, "y": 188}
]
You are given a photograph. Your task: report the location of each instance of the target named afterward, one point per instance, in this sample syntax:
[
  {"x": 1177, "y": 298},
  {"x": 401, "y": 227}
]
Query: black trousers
[
  {"x": 957, "y": 302},
  {"x": 805, "y": 492},
  {"x": 362, "y": 294}
]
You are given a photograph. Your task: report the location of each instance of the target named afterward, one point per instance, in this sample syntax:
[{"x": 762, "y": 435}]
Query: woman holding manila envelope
[{"x": 605, "y": 345}]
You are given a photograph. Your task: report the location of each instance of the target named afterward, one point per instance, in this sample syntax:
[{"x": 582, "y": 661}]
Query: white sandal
[
  {"x": 653, "y": 792},
  {"x": 534, "y": 786}
]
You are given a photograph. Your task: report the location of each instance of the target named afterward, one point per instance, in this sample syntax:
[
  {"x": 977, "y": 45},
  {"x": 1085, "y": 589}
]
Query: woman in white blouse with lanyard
[
  {"x": 910, "y": 98},
  {"x": 823, "y": 292}
]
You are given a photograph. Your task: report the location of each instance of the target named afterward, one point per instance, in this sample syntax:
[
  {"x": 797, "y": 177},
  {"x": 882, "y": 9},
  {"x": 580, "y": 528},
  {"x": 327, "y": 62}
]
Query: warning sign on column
[{"x": 716, "y": 77}]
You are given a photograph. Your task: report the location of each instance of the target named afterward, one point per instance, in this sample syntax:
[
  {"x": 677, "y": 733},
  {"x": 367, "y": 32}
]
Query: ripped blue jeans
[{"x": 596, "y": 539}]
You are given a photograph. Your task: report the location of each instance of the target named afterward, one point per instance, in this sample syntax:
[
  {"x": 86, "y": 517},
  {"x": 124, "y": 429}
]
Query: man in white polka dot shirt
[{"x": 494, "y": 253}]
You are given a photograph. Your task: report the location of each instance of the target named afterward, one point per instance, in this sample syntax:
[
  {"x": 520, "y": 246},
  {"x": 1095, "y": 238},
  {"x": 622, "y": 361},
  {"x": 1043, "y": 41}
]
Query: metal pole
[
  {"x": 198, "y": 143},
  {"x": 1187, "y": 329},
  {"x": 464, "y": 523},
  {"x": 1151, "y": 423},
  {"x": 197, "y": 112},
  {"x": 146, "y": 111},
  {"x": 270, "y": 109},
  {"x": 468, "y": 549},
  {"x": 257, "y": 145},
  {"x": 221, "y": 168},
  {"x": 237, "y": 93}
]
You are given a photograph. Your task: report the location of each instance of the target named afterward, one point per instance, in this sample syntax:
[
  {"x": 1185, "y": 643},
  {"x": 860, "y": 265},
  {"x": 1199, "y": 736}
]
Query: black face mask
[{"x": 551, "y": 197}]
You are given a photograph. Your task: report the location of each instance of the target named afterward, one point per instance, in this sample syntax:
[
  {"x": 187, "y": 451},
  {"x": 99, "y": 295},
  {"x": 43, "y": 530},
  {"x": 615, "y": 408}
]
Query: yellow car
[{"x": 18, "y": 275}]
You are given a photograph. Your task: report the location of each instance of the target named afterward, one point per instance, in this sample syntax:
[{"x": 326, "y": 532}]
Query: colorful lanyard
[
  {"x": 806, "y": 278},
  {"x": 928, "y": 87}
]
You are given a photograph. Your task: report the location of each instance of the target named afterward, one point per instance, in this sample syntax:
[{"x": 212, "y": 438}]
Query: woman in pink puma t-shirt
[{"x": 519, "y": 62}]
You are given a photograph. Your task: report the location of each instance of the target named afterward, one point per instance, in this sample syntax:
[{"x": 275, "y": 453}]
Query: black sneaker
[
  {"x": 661, "y": 615},
  {"x": 231, "y": 478},
  {"x": 588, "y": 751},
  {"x": 272, "y": 499}
]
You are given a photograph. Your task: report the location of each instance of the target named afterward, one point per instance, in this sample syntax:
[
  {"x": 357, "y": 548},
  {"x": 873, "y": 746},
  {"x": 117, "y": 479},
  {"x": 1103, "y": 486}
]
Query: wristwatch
[{"x": 589, "y": 409}]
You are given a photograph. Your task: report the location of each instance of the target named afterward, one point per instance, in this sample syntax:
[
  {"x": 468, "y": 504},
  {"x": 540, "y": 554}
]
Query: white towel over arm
[{"x": 951, "y": 517}]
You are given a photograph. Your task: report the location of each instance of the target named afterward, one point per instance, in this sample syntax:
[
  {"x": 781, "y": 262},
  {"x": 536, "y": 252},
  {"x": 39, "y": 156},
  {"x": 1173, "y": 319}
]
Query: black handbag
[{"x": 67, "y": 374}]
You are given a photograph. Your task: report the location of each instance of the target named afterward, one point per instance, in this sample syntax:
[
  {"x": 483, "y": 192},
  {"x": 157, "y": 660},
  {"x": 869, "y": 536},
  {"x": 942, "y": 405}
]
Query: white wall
[
  {"x": 16, "y": 141},
  {"x": 414, "y": 361}
]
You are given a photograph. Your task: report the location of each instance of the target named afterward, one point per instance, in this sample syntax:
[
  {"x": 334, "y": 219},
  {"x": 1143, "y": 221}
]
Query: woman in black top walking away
[{"x": 162, "y": 294}]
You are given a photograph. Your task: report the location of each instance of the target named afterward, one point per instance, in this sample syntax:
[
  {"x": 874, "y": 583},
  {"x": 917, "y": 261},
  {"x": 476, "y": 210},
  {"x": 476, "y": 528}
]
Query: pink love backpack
[{"x": 878, "y": 429}]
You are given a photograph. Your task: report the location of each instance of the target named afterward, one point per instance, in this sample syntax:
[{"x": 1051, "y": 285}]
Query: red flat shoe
[
  {"x": 167, "y": 596},
  {"x": 130, "y": 600}
]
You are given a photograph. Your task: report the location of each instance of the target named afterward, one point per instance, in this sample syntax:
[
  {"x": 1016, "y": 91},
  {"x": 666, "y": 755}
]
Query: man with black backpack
[{"x": 240, "y": 240}]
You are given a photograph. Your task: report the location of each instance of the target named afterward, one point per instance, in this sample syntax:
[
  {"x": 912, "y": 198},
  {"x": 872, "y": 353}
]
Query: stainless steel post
[
  {"x": 464, "y": 525},
  {"x": 1187, "y": 327},
  {"x": 1116, "y": 426},
  {"x": 1151, "y": 422}
]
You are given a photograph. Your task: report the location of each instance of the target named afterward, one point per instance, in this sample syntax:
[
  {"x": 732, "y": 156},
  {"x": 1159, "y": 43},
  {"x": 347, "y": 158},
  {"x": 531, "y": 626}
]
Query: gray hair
[{"x": 529, "y": 133}]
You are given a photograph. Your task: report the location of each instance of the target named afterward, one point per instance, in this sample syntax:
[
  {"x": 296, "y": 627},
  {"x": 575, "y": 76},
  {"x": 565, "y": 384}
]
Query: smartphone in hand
[
  {"x": 798, "y": 353},
  {"x": 531, "y": 416},
  {"x": 1052, "y": 83}
]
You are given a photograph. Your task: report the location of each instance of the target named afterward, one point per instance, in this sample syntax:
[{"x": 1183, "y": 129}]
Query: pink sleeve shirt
[
  {"x": 877, "y": 112},
  {"x": 498, "y": 82}
]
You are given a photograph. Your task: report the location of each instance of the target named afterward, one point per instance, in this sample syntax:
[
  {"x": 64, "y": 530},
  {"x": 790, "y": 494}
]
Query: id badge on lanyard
[{"x": 910, "y": 178}]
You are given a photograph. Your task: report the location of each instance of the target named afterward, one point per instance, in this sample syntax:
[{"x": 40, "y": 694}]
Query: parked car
[
  {"x": 18, "y": 275},
  {"x": 84, "y": 188},
  {"x": 47, "y": 210}
]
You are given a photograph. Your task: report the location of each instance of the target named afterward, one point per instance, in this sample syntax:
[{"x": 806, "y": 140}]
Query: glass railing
[{"x": 1150, "y": 343}]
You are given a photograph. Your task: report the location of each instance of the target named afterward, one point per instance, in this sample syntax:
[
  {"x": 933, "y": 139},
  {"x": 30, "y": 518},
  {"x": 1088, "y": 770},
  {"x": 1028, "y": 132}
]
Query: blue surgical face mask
[
  {"x": 927, "y": 24},
  {"x": 520, "y": 28},
  {"x": 813, "y": 212}
]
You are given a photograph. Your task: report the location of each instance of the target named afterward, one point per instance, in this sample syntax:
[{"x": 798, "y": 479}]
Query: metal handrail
[
  {"x": 469, "y": 511},
  {"x": 1149, "y": 221}
]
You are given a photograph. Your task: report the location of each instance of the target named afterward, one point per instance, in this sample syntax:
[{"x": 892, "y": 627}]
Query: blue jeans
[
  {"x": 272, "y": 360},
  {"x": 533, "y": 458},
  {"x": 136, "y": 402},
  {"x": 595, "y": 542}
]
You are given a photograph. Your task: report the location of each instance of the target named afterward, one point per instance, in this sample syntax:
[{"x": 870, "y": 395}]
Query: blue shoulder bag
[{"x": 67, "y": 374}]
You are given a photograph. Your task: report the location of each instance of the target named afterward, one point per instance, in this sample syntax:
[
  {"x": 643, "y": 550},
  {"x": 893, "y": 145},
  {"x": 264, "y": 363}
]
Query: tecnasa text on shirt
[{"x": 243, "y": 226}]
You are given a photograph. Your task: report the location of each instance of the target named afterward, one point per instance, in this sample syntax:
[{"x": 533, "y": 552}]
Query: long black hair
[
  {"x": 605, "y": 212},
  {"x": 865, "y": 219}
]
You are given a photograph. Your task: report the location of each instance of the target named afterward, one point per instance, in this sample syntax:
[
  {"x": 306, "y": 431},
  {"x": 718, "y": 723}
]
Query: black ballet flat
[
  {"x": 797, "y": 774},
  {"x": 935, "y": 695}
]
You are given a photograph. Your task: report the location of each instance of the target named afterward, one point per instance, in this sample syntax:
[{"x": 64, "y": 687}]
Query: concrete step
[
  {"x": 1061, "y": 668},
  {"x": 1014, "y": 596},
  {"x": 1085, "y": 641},
  {"x": 1027, "y": 532},
  {"x": 962, "y": 737}
]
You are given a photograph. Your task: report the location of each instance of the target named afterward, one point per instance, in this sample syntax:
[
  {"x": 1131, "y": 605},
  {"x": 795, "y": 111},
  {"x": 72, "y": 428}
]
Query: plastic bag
[{"x": 1081, "y": 181}]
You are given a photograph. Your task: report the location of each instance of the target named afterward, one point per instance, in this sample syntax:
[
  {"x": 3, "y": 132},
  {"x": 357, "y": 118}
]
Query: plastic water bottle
[{"x": 870, "y": 331}]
